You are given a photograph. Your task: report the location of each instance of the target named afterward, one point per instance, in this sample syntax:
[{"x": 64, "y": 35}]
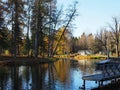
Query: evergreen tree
[
  {"x": 40, "y": 25},
  {"x": 16, "y": 11},
  {"x": 3, "y": 29}
]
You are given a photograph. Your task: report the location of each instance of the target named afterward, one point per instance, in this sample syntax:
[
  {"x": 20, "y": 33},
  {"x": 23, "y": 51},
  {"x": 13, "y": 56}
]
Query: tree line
[
  {"x": 106, "y": 40},
  {"x": 34, "y": 27}
]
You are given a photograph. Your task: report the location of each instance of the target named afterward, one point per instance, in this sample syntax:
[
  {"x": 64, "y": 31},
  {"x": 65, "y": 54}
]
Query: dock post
[
  {"x": 115, "y": 80},
  {"x": 99, "y": 83},
  {"x": 83, "y": 84}
]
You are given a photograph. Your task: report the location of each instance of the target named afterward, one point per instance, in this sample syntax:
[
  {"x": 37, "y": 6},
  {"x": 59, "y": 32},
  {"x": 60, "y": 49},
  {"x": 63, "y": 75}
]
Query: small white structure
[{"x": 85, "y": 52}]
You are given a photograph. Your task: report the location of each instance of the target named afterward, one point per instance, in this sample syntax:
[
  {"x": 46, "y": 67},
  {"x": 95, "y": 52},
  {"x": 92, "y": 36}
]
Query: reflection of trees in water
[
  {"x": 20, "y": 77},
  {"x": 62, "y": 67},
  {"x": 14, "y": 78},
  {"x": 3, "y": 77},
  {"x": 26, "y": 77},
  {"x": 33, "y": 77},
  {"x": 74, "y": 64},
  {"x": 29, "y": 77},
  {"x": 42, "y": 76},
  {"x": 87, "y": 66},
  {"x": 57, "y": 71},
  {"x": 17, "y": 78},
  {"x": 8, "y": 74},
  {"x": 51, "y": 76},
  {"x": 38, "y": 77}
]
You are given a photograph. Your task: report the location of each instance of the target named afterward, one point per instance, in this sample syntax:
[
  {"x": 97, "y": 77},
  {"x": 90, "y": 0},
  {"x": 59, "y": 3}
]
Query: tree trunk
[
  {"x": 117, "y": 50},
  {"x": 36, "y": 45}
]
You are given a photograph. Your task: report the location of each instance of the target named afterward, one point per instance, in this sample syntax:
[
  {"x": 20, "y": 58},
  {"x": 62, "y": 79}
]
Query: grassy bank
[{"x": 80, "y": 57}]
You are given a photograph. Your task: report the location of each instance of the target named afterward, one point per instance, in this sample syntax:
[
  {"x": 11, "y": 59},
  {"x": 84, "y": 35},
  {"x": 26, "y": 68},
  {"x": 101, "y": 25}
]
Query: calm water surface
[{"x": 61, "y": 75}]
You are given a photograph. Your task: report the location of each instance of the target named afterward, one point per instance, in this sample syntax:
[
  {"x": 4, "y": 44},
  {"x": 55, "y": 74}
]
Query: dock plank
[
  {"x": 95, "y": 77},
  {"x": 100, "y": 77}
]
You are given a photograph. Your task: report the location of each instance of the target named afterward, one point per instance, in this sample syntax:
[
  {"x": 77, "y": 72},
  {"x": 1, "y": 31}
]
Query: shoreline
[
  {"x": 8, "y": 60},
  {"x": 24, "y": 60}
]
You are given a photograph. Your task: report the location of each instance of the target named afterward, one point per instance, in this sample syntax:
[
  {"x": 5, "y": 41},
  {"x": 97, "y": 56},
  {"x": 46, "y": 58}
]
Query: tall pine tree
[{"x": 16, "y": 11}]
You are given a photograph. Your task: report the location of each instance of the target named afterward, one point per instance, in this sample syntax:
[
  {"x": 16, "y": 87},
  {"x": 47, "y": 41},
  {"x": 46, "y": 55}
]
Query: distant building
[{"x": 85, "y": 52}]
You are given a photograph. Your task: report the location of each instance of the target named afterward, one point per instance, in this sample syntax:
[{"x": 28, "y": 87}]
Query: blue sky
[{"x": 93, "y": 14}]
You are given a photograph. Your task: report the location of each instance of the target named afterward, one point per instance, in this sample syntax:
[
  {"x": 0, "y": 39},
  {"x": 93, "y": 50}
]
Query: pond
[{"x": 61, "y": 75}]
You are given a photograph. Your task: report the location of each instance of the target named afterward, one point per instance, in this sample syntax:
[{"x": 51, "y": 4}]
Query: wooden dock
[
  {"x": 100, "y": 78},
  {"x": 110, "y": 71}
]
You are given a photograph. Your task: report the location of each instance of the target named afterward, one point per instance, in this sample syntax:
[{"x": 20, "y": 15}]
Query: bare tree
[
  {"x": 90, "y": 41},
  {"x": 28, "y": 19},
  {"x": 115, "y": 33},
  {"x": 102, "y": 38},
  {"x": 83, "y": 42},
  {"x": 71, "y": 16},
  {"x": 52, "y": 24}
]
